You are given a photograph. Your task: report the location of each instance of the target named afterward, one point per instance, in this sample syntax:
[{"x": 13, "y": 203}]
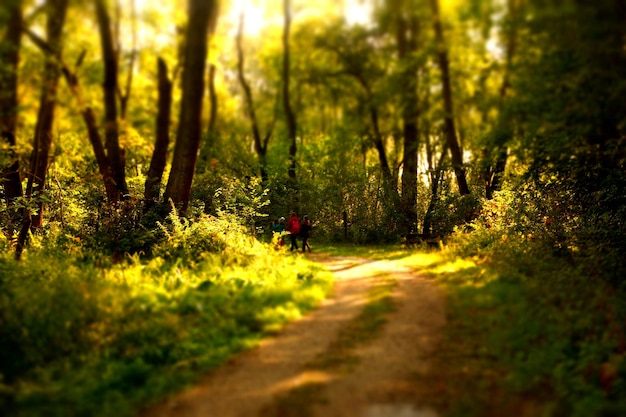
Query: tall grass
[{"x": 77, "y": 338}]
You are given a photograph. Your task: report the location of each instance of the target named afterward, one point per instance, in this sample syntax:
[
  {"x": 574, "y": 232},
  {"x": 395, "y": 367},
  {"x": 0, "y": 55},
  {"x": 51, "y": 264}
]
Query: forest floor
[{"x": 336, "y": 361}]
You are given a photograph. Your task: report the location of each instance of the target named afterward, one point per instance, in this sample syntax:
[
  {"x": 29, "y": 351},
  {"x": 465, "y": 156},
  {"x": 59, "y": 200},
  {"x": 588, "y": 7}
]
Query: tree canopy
[{"x": 405, "y": 114}]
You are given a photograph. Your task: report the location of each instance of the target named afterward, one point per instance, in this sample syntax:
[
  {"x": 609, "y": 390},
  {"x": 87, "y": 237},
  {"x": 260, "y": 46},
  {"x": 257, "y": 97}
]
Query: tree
[
  {"x": 449, "y": 126},
  {"x": 260, "y": 144},
  {"x": 115, "y": 153},
  {"x": 159, "y": 155},
  {"x": 503, "y": 131},
  {"x": 42, "y": 143},
  {"x": 124, "y": 94},
  {"x": 354, "y": 49},
  {"x": 290, "y": 118},
  {"x": 9, "y": 61},
  {"x": 178, "y": 189},
  {"x": 88, "y": 116},
  {"x": 407, "y": 32}
]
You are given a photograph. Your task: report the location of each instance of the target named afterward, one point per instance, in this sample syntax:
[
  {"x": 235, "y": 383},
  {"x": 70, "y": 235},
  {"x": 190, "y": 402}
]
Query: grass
[
  {"x": 340, "y": 355},
  {"x": 527, "y": 334},
  {"x": 82, "y": 339}
]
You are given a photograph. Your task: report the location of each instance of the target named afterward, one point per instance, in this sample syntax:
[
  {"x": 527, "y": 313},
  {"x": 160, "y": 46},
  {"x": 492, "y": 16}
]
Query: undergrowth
[
  {"x": 532, "y": 331},
  {"x": 534, "y": 325},
  {"x": 79, "y": 337}
]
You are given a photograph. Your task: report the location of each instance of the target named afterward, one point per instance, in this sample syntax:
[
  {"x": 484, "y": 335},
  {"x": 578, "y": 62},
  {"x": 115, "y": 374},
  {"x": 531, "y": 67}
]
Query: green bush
[
  {"x": 554, "y": 326},
  {"x": 78, "y": 338}
]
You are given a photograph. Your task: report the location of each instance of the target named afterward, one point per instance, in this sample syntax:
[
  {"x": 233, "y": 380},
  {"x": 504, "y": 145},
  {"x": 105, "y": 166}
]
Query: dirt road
[{"x": 277, "y": 379}]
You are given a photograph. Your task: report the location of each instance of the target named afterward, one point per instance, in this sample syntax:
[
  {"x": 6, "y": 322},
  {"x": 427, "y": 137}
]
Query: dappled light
[{"x": 304, "y": 209}]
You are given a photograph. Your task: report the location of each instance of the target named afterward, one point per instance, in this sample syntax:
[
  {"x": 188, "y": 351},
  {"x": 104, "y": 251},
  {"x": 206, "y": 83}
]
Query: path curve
[{"x": 383, "y": 383}]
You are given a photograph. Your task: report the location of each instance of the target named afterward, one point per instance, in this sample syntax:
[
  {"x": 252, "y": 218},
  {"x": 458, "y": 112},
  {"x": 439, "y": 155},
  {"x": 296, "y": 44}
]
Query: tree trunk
[
  {"x": 260, "y": 146},
  {"x": 289, "y": 116},
  {"x": 159, "y": 155},
  {"x": 382, "y": 153},
  {"x": 407, "y": 45},
  {"x": 214, "y": 103},
  {"x": 449, "y": 128},
  {"x": 493, "y": 174},
  {"x": 9, "y": 61},
  {"x": 40, "y": 156},
  {"x": 114, "y": 152},
  {"x": 435, "y": 179},
  {"x": 89, "y": 118},
  {"x": 178, "y": 187},
  {"x": 124, "y": 95}
]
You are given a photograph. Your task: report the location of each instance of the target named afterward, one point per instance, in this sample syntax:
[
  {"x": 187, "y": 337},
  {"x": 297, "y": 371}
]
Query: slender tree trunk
[
  {"x": 89, "y": 118},
  {"x": 435, "y": 178},
  {"x": 124, "y": 95},
  {"x": 407, "y": 45},
  {"x": 207, "y": 150},
  {"x": 493, "y": 174},
  {"x": 9, "y": 61},
  {"x": 260, "y": 146},
  {"x": 449, "y": 128},
  {"x": 389, "y": 183},
  {"x": 114, "y": 152},
  {"x": 213, "y": 102},
  {"x": 382, "y": 152},
  {"x": 45, "y": 120},
  {"x": 159, "y": 155},
  {"x": 289, "y": 115},
  {"x": 178, "y": 187}
]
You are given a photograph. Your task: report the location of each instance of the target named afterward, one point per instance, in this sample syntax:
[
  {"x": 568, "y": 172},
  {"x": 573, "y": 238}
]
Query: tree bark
[
  {"x": 382, "y": 152},
  {"x": 407, "y": 45},
  {"x": 89, "y": 118},
  {"x": 178, "y": 187},
  {"x": 260, "y": 145},
  {"x": 213, "y": 102},
  {"x": 40, "y": 156},
  {"x": 115, "y": 154},
  {"x": 289, "y": 115},
  {"x": 159, "y": 155},
  {"x": 124, "y": 95},
  {"x": 449, "y": 128},
  {"x": 9, "y": 61}
]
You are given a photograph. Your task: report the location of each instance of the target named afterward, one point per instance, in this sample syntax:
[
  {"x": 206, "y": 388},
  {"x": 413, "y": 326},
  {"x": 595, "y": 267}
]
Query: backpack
[{"x": 295, "y": 227}]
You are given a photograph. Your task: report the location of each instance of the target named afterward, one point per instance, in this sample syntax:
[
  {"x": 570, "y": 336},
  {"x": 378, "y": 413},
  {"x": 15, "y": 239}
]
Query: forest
[{"x": 149, "y": 147}]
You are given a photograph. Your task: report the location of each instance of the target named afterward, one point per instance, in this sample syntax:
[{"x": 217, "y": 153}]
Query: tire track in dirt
[{"x": 383, "y": 382}]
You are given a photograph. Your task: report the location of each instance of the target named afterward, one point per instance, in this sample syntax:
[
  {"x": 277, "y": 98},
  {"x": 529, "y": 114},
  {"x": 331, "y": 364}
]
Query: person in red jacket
[{"x": 293, "y": 227}]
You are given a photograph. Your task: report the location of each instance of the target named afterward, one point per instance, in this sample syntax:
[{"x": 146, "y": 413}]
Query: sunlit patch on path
[
  {"x": 398, "y": 410},
  {"x": 277, "y": 377}
]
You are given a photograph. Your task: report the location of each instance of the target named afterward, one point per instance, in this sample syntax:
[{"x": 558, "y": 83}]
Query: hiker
[
  {"x": 305, "y": 232},
  {"x": 293, "y": 227}
]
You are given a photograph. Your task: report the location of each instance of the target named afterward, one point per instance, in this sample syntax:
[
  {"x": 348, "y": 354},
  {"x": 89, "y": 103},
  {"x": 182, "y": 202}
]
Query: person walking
[
  {"x": 305, "y": 233},
  {"x": 293, "y": 227}
]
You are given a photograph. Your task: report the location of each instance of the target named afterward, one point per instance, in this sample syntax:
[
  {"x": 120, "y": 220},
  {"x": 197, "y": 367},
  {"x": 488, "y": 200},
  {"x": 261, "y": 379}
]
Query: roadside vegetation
[
  {"x": 534, "y": 327},
  {"x": 79, "y": 337}
]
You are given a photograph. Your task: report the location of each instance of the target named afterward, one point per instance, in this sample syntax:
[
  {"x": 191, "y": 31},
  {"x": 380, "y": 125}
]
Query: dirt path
[{"x": 274, "y": 379}]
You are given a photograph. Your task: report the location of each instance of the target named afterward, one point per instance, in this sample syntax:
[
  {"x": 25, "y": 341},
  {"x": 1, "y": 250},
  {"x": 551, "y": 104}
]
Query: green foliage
[
  {"x": 80, "y": 339},
  {"x": 538, "y": 310}
]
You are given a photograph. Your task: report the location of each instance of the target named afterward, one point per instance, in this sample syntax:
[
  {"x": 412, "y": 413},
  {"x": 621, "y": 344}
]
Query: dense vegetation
[
  {"x": 146, "y": 149},
  {"x": 81, "y": 336}
]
